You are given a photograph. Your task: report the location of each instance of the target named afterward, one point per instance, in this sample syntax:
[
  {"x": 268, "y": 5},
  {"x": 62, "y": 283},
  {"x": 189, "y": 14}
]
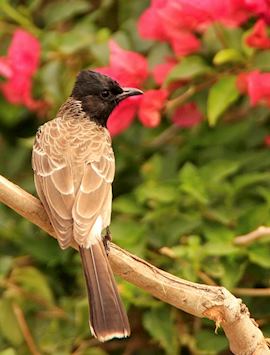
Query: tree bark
[{"x": 213, "y": 302}]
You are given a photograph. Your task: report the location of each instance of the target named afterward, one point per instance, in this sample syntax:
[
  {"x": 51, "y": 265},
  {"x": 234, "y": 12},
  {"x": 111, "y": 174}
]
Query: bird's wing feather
[
  {"x": 92, "y": 207},
  {"x": 73, "y": 176},
  {"x": 54, "y": 182}
]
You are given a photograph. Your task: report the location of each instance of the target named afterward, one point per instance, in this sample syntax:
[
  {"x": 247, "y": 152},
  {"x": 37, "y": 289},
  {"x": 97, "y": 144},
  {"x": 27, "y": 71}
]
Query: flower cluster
[
  {"x": 182, "y": 24},
  {"x": 130, "y": 70},
  {"x": 178, "y": 21},
  {"x": 18, "y": 68}
]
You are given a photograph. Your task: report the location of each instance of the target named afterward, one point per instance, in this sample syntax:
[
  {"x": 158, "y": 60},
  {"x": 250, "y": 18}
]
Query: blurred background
[{"x": 192, "y": 163}]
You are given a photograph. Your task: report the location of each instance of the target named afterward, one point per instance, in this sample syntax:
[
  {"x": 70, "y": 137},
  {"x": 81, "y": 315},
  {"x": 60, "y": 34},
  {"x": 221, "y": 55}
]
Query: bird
[{"x": 74, "y": 167}]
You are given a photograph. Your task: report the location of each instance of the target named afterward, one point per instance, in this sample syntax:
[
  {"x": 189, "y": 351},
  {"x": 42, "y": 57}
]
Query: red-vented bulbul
[{"x": 74, "y": 166}]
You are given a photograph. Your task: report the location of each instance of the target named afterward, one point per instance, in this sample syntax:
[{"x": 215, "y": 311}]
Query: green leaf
[
  {"x": 8, "y": 351},
  {"x": 62, "y": 10},
  {"x": 74, "y": 41},
  {"x": 11, "y": 115},
  {"x": 210, "y": 40},
  {"x": 126, "y": 204},
  {"x": 262, "y": 60},
  {"x": 188, "y": 68},
  {"x": 153, "y": 167},
  {"x": 259, "y": 254},
  {"x": 160, "y": 193},
  {"x": 220, "y": 248},
  {"x": 9, "y": 327},
  {"x": 192, "y": 184},
  {"x": 221, "y": 95},
  {"x": 5, "y": 265},
  {"x": 246, "y": 180},
  {"x": 129, "y": 234},
  {"x": 235, "y": 269},
  {"x": 210, "y": 343},
  {"x": 219, "y": 170},
  {"x": 33, "y": 281},
  {"x": 233, "y": 37},
  {"x": 249, "y": 51},
  {"x": 160, "y": 325},
  {"x": 228, "y": 55}
]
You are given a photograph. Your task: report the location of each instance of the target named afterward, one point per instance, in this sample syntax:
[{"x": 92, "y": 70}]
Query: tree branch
[
  {"x": 250, "y": 237},
  {"x": 25, "y": 330},
  {"x": 213, "y": 302}
]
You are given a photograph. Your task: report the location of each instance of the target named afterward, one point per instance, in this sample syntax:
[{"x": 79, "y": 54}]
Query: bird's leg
[{"x": 106, "y": 240}]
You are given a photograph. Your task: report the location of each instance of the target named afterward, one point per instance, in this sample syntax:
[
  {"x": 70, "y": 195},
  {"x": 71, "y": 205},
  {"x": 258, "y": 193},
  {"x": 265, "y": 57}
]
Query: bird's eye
[{"x": 105, "y": 93}]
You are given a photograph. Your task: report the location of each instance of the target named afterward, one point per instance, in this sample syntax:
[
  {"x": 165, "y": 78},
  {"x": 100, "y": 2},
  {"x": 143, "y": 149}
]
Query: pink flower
[
  {"x": 130, "y": 69},
  {"x": 258, "y": 38},
  {"x": 150, "y": 107},
  {"x": 127, "y": 67},
  {"x": 160, "y": 71},
  {"x": 18, "y": 67},
  {"x": 184, "y": 43},
  {"x": 147, "y": 107},
  {"x": 166, "y": 21},
  {"x": 187, "y": 115},
  {"x": 256, "y": 85},
  {"x": 176, "y": 21},
  {"x": 123, "y": 115},
  {"x": 150, "y": 23},
  {"x": 257, "y": 7}
]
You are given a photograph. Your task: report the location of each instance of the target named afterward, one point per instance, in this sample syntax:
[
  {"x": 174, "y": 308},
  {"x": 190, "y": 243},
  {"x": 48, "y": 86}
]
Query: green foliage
[
  {"x": 221, "y": 96},
  {"x": 189, "y": 67},
  {"x": 228, "y": 55},
  {"x": 181, "y": 196},
  {"x": 165, "y": 333}
]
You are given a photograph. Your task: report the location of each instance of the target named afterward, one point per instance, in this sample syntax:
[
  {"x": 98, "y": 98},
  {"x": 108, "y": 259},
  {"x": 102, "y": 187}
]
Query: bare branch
[
  {"x": 213, "y": 302},
  {"x": 25, "y": 330},
  {"x": 254, "y": 292},
  {"x": 250, "y": 237}
]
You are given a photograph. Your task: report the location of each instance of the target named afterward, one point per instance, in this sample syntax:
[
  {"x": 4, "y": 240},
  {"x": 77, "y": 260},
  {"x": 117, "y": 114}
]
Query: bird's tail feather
[{"x": 108, "y": 318}]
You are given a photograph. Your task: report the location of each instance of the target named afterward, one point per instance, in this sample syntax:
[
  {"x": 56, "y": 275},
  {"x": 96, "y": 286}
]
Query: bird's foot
[{"x": 106, "y": 240}]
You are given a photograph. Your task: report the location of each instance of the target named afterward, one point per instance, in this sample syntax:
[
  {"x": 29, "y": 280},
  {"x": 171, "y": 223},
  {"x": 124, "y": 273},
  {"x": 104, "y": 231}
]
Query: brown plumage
[{"x": 74, "y": 167}]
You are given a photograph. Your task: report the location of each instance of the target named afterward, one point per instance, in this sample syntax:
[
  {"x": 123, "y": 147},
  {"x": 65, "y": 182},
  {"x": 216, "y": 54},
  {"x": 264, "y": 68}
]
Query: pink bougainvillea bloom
[
  {"x": 166, "y": 21},
  {"x": 150, "y": 24},
  {"x": 18, "y": 67},
  {"x": 127, "y": 67},
  {"x": 151, "y": 104},
  {"x": 130, "y": 69},
  {"x": 177, "y": 21},
  {"x": 187, "y": 115},
  {"x": 160, "y": 71},
  {"x": 147, "y": 107},
  {"x": 123, "y": 115},
  {"x": 184, "y": 43},
  {"x": 5, "y": 69},
  {"x": 256, "y": 85},
  {"x": 258, "y": 38},
  {"x": 256, "y": 7}
]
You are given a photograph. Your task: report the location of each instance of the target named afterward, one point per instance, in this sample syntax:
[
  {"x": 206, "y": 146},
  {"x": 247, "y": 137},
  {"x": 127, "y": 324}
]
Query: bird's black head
[{"x": 99, "y": 94}]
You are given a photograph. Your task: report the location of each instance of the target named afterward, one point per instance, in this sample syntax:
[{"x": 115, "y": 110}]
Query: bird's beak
[{"x": 127, "y": 92}]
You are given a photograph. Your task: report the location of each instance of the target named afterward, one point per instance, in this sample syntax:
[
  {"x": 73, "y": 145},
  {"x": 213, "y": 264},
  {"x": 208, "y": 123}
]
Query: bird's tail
[{"x": 108, "y": 318}]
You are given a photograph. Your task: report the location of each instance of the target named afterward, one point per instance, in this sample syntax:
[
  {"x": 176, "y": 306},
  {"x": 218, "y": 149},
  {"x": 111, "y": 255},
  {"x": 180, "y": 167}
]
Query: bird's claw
[{"x": 106, "y": 240}]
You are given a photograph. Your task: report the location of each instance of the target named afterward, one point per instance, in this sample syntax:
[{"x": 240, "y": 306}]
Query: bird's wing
[
  {"x": 92, "y": 208},
  {"x": 54, "y": 180}
]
